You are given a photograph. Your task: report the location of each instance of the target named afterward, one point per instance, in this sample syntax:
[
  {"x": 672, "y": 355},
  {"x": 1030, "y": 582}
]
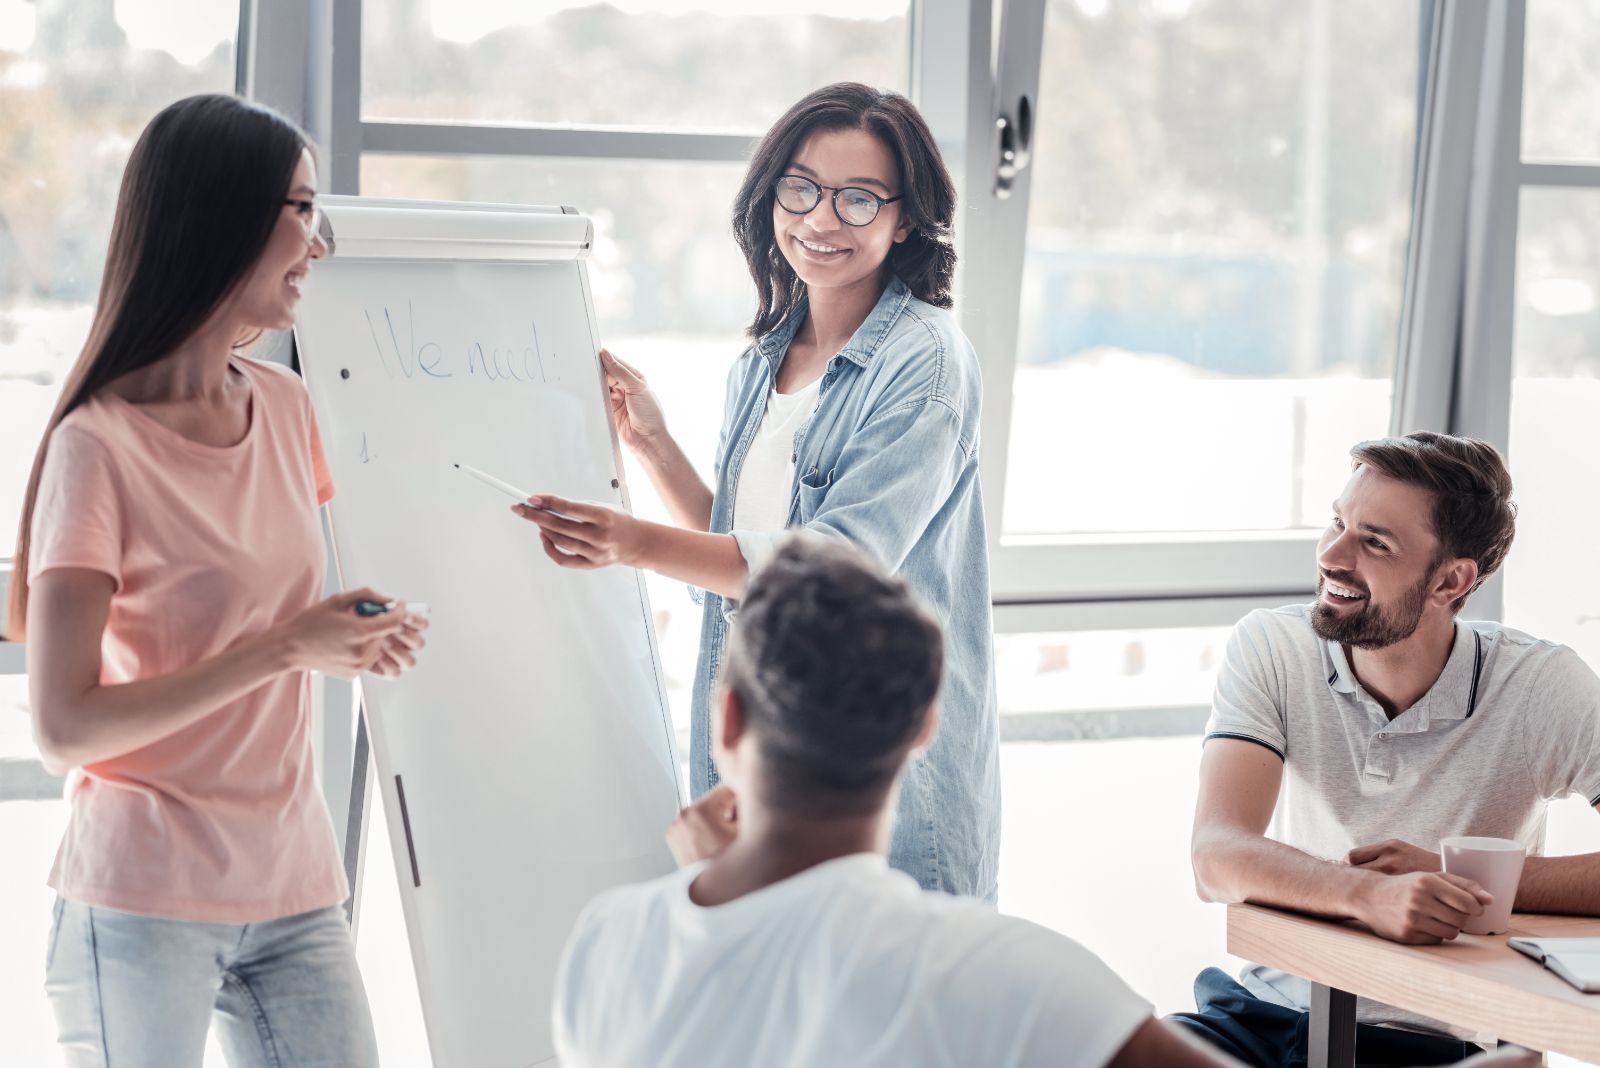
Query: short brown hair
[
  {"x": 1473, "y": 514},
  {"x": 835, "y": 664}
]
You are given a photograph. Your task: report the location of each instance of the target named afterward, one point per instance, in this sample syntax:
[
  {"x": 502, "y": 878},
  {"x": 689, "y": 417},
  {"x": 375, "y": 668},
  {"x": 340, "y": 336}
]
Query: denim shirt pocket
[{"x": 812, "y": 490}]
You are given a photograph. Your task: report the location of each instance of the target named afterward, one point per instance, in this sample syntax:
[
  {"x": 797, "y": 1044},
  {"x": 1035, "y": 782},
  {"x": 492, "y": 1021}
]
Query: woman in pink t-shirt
[{"x": 169, "y": 574}]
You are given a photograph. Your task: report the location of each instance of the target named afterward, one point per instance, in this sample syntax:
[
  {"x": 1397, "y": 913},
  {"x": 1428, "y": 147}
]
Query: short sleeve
[
  {"x": 77, "y": 515},
  {"x": 1069, "y": 1000},
  {"x": 1247, "y": 703},
  {"x": 319, "y": 459},
  {"x": 1562, "y": 729}
]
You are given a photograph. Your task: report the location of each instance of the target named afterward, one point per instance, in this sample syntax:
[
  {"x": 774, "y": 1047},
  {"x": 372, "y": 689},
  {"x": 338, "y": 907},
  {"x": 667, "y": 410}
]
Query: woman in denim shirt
[{"x": 854, "y": 414}]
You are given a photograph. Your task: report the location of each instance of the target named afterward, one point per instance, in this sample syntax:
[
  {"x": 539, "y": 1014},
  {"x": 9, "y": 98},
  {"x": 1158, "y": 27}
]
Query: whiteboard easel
[{"x": 529, "y": 757}]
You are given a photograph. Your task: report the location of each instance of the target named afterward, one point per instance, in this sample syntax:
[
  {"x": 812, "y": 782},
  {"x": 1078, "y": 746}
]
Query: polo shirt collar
[{"x": 1453, "y": 695}]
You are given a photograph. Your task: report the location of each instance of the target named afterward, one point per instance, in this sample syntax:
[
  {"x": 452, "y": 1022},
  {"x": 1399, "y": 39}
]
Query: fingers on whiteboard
[{"x": 622, "y": 370}]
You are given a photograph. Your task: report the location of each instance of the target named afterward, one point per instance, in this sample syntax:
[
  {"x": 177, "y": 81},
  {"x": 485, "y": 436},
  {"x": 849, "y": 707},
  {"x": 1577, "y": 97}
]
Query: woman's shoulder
[
  {"x": 279, "y": 386},
  {"x": 925, "y": 345},
  {"x": 98, "y": 425},
  {"x": 274, "y": 376}
]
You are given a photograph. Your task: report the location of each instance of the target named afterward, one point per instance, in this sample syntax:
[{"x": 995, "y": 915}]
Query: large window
[
  {"x": 711, "y": 64},
  {"x": 1216, "y": 243},
  {"x": 77, "y": 84},
  {"x": 1555, "y": 439},
  {"x": 1539, "y": 326},
  {"x": 1561, "y": 82}
]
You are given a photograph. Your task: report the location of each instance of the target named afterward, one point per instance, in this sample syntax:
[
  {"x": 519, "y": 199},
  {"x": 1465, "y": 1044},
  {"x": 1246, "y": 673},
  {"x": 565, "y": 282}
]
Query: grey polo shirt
[{"x": 1511, "y": 723}]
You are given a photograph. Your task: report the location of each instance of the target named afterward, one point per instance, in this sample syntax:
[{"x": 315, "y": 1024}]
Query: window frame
[
  {"x": 1074, "y": 567},
  {"x": 967, "y": 59}
]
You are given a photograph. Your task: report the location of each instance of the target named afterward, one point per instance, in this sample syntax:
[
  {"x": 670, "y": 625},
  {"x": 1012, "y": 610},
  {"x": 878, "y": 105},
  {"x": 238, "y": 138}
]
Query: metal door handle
[{"x": 1015, "y": 137}]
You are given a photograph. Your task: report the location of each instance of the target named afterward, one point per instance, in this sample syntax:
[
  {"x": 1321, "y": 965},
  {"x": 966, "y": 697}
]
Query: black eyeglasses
[
  {"x": 314, "y": 219},
  {"x": 854, "y": 206}
]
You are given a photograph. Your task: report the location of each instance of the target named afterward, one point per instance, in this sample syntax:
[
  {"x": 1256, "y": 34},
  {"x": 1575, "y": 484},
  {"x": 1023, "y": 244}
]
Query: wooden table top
[{"x": 1475, "y": 981}]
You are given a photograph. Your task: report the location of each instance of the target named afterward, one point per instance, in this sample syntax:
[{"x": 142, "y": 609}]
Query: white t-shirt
[
  {"x": 766, "y": 480},
  {"x": 847, "y": 963}
]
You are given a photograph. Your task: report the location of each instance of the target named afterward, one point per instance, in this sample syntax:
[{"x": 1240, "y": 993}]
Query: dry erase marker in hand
[
  {"x": 494, "y": 483},
  {"x": 378, "y": 608},
  {"x": 505, "y": 487}
]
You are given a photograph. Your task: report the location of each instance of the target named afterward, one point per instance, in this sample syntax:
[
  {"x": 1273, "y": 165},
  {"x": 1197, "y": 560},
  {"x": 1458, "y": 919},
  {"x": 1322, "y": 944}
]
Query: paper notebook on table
[{"x": 1577, "y": 960}]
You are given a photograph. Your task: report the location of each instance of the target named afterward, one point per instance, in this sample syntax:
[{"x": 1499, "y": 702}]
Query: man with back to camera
[
  {"x": 791, "y": 942},
  {"x": 1390, "y": 725}
]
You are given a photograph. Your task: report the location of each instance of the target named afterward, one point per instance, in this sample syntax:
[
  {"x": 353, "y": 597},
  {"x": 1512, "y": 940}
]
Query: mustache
[{"x": 1343, "y": 578}]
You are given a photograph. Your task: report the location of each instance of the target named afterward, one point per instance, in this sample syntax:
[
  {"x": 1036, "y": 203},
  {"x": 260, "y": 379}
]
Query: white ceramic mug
[{"x": 1494, "y": 864}]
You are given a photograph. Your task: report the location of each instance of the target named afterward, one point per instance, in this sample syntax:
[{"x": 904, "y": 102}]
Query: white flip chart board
[{"x": 529, "y": 754}]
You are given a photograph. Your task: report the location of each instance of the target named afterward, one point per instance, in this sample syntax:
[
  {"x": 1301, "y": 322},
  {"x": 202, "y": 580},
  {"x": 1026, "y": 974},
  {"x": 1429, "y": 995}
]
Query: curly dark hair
[
  {"x": 925, "y": 261},
  {"x": 835, "y": 665},
  {"x": 1473, "y": 514}
]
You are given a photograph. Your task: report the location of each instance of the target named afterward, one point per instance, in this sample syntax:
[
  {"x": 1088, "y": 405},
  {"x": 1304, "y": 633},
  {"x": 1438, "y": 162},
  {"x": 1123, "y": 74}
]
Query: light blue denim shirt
[{"x": 889, "y": 460}]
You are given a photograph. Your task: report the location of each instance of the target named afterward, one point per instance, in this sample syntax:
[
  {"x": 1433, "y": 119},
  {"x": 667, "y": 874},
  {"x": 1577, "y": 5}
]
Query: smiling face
[
  {"x": 268, "y": 297},
  {"x": 822, "y": 249},
  {"x": 1380, "y": 568}
]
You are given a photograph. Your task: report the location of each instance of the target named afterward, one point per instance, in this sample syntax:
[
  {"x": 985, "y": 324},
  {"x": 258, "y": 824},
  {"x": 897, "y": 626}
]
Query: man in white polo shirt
[{"x": 1372, "y": 723}]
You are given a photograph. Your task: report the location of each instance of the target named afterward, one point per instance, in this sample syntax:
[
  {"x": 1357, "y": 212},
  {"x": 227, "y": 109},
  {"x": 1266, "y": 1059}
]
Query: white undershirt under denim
[
  {"x": 846, "y": 963},
  {"x": 766, "y": 481}
]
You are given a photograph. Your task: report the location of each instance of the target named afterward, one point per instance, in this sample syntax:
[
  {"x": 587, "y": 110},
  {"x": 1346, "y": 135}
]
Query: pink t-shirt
[{"x": 222, "y": 821}]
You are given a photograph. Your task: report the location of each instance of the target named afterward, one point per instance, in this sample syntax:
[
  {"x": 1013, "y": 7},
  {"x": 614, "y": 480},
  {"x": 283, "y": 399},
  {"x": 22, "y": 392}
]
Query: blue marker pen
[{"x": 378, "y": 608}]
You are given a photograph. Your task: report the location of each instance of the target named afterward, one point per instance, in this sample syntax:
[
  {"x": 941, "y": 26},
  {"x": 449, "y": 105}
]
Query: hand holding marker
[{"x": 378, "y": 608}]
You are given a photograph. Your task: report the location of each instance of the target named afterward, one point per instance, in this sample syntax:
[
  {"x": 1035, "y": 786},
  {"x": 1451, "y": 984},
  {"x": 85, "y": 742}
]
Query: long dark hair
[
  {"x": 200, "y": 197},
  {"x": 925, "y": 261}
]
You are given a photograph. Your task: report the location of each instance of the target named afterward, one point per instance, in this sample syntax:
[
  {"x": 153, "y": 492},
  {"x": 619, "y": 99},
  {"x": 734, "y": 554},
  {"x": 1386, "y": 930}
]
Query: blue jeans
[
  {"x": 1264, "y": 1035},
  {"x": 141, "y": 992}
]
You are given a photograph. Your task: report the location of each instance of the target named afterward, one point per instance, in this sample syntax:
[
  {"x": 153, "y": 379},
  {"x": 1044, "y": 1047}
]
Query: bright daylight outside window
[
  {"x": 1561, "y": 82},
  {"x": 78, "y": 81},
  {"x": 706, "y": 64},
  {"x": 1555, "y": 375},
  {"x": 1216, "y": 245},
  {"x": 1554, "y": 440}
]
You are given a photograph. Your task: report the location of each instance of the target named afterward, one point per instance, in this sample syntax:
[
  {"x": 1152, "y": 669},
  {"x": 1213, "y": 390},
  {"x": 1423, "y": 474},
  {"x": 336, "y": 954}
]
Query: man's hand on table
[{"x": 1420, "y": 908}]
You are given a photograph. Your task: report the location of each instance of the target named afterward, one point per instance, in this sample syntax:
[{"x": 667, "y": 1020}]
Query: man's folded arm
[{"x": 1234, "y": 860}]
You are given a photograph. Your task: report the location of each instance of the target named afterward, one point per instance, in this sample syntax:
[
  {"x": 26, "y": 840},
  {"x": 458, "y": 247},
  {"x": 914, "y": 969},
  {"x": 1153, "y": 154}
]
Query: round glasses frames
[
  {"x": 314, "y": 219},
  {"x": 854, "y": 206}
]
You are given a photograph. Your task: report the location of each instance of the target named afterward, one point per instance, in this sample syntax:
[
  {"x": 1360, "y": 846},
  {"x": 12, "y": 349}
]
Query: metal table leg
[{"x": 1332, "y": 1036}]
